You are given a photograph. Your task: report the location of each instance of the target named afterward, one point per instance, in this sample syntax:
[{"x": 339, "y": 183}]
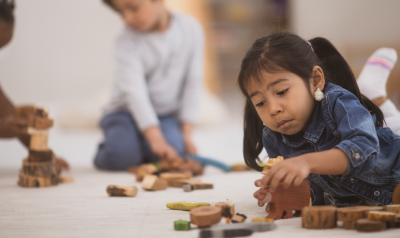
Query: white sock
[
  {"x": 389, "y": 109},
  {"x": 374, "y": 75}
]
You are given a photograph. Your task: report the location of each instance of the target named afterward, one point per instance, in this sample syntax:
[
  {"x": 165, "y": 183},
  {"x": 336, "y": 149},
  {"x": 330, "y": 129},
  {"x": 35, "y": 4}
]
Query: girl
[{"x": 303, "y": 103}]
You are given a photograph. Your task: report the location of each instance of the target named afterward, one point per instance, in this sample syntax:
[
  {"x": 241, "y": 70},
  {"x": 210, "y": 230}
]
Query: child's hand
[
  {"x": 289, "y": 172},
  {"x": 190, "y": 147},
  {"x": 13, "y": 127},
  {"x": 261, "y": 193},
  {"x": 187, "y": 130},
  {"x": 164, "y": 150}
]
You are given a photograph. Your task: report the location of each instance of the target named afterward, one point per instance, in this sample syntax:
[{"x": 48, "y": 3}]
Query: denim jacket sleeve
[
  {"x": 269, "y": 145},
  {"x": 354, "y": 126}
]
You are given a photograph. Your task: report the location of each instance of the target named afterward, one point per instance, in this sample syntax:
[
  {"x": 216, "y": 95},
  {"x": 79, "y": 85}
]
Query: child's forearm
[
  {"x": 187, "y": 129},
  {"x": 154, "y": 134},
  {"x": 6, "y": 107},
  {"x": 330, "y": 162}
]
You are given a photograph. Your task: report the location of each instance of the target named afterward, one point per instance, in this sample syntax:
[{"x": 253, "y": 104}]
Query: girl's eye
[
  {"x": 260, "y": 104},
  {"x": 282, "y": 92}
]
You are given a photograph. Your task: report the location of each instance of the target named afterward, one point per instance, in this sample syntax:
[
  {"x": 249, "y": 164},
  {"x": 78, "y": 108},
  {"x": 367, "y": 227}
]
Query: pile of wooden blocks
[{"x": 40, "y": 168}]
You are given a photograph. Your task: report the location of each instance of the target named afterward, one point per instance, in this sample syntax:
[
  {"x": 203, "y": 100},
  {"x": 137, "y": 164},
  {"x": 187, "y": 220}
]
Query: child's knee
[{"x": 117, "y": 159}]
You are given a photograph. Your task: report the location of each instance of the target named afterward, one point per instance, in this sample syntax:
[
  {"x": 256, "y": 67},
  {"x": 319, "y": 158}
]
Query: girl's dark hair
[
  {"x": 285, "y": 51},
  {"x": 109, "y": 3},
  {"x": 6, "y": 10}
]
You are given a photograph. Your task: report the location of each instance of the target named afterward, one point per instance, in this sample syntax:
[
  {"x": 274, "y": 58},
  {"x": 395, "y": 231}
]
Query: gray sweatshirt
[{"x": 159, "y": 74}]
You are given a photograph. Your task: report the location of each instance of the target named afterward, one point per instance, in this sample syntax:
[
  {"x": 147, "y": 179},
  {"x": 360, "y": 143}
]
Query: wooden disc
[
  {"x": 396, "y": 195},
  {"x": 36, "y": 181},
  {"x": 393, "y": 208},
  {"x": 40, "y": 168},
  {"x": 318, "y": 217},
  {"x": 366, "y": 225},
  {"x": 352, "y": 214},
  {"x": 349, "y": 225},
  {"x": 121, "y": 191},
  {"x": 227, "y": 209},
  {"x": 382, "y": 216},
  {"x": 205, "y": 216},
  {"x": 40, "y": 155}
]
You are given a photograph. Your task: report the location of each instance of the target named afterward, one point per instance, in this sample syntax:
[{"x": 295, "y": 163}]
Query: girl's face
[{"x": 283, "y": 101}]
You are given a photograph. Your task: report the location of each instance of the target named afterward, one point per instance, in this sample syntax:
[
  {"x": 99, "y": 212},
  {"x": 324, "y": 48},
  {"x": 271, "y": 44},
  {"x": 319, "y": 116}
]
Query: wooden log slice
[
  {"x": 170, "y": 177},
  {"x": 38, "y": 142},
  {"x": 227, "y": 209},
  {"x": 40, "y": 155},
  {"x": 318, "y": 217},
  {"x": 349, "y": 225},
  {"x": 393, "y": 208},
  {"x": 154, "y": 183},
  {"x": 366, "y": 225},
  {"x": 40, "y": 168},
  {"x": 382, "y": 216},
  {"x": 352, "y": 214},
  {"x": 179, "y": 183},
  {"x": 40, "y": 123},
  {"x": 35, "y": 181},
  {"x": 205, "y": 216},
  {"x": 121, "y": 191},
  {"x": 396, "y": 195}
]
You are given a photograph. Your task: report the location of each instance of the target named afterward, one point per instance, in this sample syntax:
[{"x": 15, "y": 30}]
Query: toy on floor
[
  {"x": 41, "y": 168},
  {"x": 238, "y": 218},
  {"x": 154, "y": 183},
  {"x": 227, "y": 209},
  {"x": 205, "y": 216},
  {"x": 186, "y": 206},
  {"x": 181, "y": 225},
  {"x": 236, "y": 230},
  {"x": 121, "y": 191}
]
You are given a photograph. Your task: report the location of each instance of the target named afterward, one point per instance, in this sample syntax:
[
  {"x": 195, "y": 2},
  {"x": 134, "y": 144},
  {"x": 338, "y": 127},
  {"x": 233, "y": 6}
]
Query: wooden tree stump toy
[
  {"x": 396, "y": 195},
  {"x": 227, "y": 209},
  {"x": 319, "y": 217},
  {"x": 154, "y": 183},
  {"x": 121, "y": 191},
  {"x": 366, "y": 225},
  {"x": 283, "y": 201},
  {"x": 186, "y": 206},
  {"x": 205, "y": 216}
]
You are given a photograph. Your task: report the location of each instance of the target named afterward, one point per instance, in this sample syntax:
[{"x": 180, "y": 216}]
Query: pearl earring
[{"x": 318, "y": 95}]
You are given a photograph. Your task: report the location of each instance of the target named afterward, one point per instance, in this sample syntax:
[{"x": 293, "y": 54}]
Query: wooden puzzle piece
[
  {"x": 154, "y": 183},
  {"x": 205, "y": 216},
  {"x": 40, "y": 155},
  {"x": 227, "y": 209},
  {"x": 318, "y": 217},
  {"x": 181, "y": 225},
  {"x": 366, "y": 225},
  {"x": 170, "y": 177},
  {"x": 238, "y": 218},
  {"x": 121, "y": 191},
  {"x": 186, "y": 206},
  {"x": 40, "y": 123}
]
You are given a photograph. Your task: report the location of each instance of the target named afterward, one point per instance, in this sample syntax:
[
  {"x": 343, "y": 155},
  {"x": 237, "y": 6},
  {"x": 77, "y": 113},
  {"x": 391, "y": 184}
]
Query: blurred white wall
[
  {"x": 61, "y": 50},
  {"x": 347, "y": 21}
]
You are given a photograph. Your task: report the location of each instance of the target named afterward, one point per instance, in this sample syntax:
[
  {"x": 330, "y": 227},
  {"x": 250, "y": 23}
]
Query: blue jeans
[{"x": 125, "y": 146}]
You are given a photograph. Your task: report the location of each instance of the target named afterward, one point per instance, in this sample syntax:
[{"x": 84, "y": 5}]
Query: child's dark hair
[
  {"x": 6, "y": 10},
  {"x": 109, "y": 3},
  {"x": 287, "y": 51}
]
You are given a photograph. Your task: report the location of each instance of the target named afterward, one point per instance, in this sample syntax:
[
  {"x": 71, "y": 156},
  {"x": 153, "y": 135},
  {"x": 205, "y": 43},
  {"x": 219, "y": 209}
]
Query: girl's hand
[
  {"x": 187, "y": 130},
  {"x": 261, "y": 193},
  {"x": 12, "y": 127},
  {"x": 164, "y": 150},
  {"x": 290, "y": 172}
]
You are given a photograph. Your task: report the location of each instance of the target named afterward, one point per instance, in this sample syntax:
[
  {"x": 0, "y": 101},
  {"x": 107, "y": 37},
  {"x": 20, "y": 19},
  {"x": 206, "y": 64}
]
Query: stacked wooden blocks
[{"x": 41, "y": 168}]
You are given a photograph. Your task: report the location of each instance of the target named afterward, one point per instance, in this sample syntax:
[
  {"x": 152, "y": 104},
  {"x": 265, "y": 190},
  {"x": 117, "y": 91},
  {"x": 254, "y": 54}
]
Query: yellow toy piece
[
  {"x": 262, "y": 220},
  {"x": 271, "y": 162},
  {"x": 186, "y": 206}
]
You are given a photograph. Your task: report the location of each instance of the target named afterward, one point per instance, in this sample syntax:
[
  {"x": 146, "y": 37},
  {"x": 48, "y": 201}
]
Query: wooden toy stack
[{"x": 40, "y": 168}]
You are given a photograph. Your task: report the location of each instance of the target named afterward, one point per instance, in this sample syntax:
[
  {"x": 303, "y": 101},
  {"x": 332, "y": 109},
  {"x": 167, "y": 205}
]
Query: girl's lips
[{"x": 284, "y": 124}]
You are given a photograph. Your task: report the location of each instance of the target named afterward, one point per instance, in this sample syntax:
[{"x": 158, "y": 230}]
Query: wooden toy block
[
  {"x": 170, "y": 177},
  {"x": 227, "y": 209},
  {"x": 40, "y": 168},
  {"x": 393, "y": 208},
  {"x": 181, "y": 225},
  {"x": 186, "y": 206},
  {"x": 238, "y": 218},
  {"x": 35, "y": 181},
  {"x": 366, "y": 225},
  {"x": 205, "y": 216},
  {"x": 283, "y": 201},
  {"x": 40, "y": 123},
  {"x": 40, "y": 155},
  {"x": 262, "y": 220},
  {"x": 318, "y": 217},
  {"x": 68, "y": 179},
  {"x": 181, "y": 182},
  {"x": 154, "y": 183},
  {"x": 349, "y": 225},
  {"x": 145, "y": 169},
  {"x": 28, "y": 111},
  {"x": 121, "y": 191},
  {"x": 38, "y": 142},
  {"x": 240, "y": 167},
  {"x": 352, "y": 214},
  {"x": 236, "y": 230},
  {"x": 396, "y": 195},
  {"x": 271, "y": 162},
  {"x": 382, "y": 216}
]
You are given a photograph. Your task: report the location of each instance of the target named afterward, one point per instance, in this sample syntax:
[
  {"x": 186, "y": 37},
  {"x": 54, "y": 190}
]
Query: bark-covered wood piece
[
  {"x": 39, "y": 139},
  {"x": 145, "y": 169},
  {"x": 205, "y": 216},
  {"x": 349, "y": 225},
  {"x": 227, "y": 209},
  {"x": 40, "y": 168},
  {"x": 283, "y": 201},
  {"x": 366, "y": 225},
  {"x": 40, "y": 123},
  {"x": 40, "y": 155},
  {"x": 121, "y": 191},
  {"x": 67, "y": 179},
  {"x": 179, "y": 183},
  {"x": 393, "y": 208},
  {"x": 352, "y": 214},
  {"x": 27, "y": 111},
  {"x": 170, "y": 177},
  {"x": 382, "y": 216},
  {"x": 154, "y": 183},
  {"x": 396, "y": 195},
  {"x": 319, "y": 217},
  {"x": 36, "y": 181}
]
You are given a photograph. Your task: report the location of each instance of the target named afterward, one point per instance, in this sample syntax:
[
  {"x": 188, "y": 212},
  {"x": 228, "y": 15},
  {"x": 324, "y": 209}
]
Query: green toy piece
[
  {"x": 181, "y": 225},
  {"x": 186, "y": 206}
]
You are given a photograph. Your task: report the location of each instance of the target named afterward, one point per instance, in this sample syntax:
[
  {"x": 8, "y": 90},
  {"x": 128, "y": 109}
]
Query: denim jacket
[{"x": 340, "y": 121}]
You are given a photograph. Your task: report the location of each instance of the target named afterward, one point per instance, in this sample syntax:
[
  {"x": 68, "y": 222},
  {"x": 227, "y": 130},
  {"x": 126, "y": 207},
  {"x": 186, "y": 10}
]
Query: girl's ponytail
[
  {"x": 6, "y": 10},
  {"x": 337, "y": 71},
  {"x": 252, "y": 139}
]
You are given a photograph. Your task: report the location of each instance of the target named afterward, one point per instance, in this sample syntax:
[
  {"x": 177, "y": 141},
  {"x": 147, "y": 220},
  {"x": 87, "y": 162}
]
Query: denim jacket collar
[{"x": 313, "y": 132}]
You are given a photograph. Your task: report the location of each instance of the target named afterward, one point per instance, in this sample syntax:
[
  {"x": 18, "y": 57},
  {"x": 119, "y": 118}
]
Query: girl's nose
[{"x": 274, "y": 109}]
